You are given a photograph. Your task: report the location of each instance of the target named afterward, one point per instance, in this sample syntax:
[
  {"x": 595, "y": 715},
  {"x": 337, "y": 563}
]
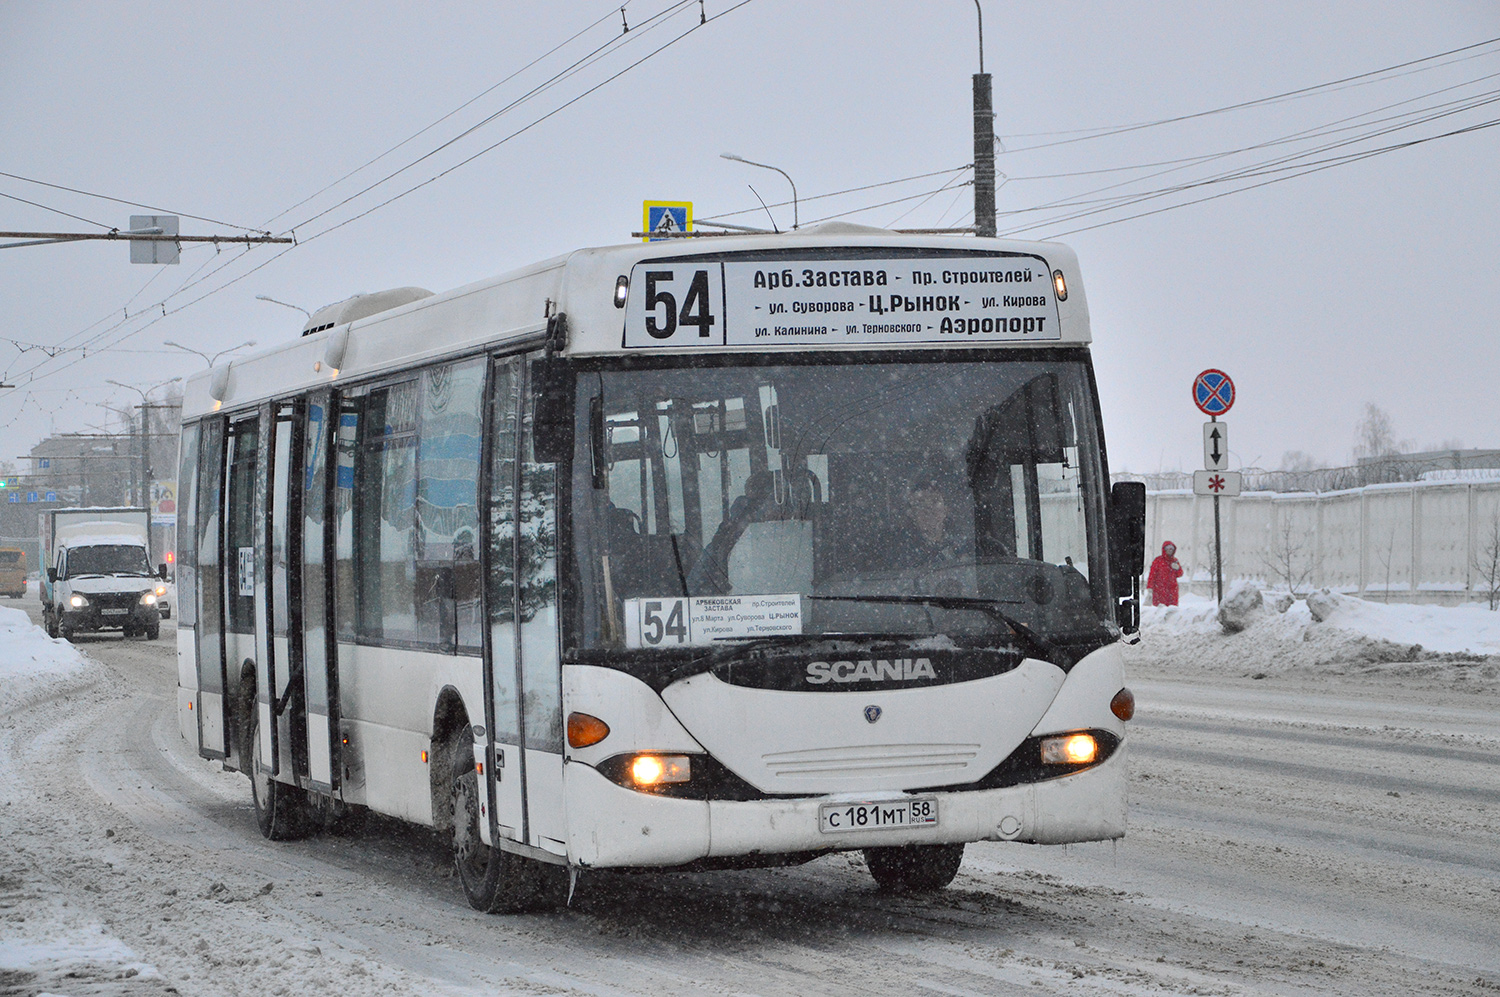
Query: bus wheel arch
[{"x": 450, "y": 735}]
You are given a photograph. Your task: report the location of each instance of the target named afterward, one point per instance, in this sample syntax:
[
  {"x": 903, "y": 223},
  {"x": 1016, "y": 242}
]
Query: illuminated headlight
[
  {"x": 149, "y": 599},
  {"x": 77, "y": 601},
  {"x": 658, "y": 770},
  {"x": 1071, "y": 749}
]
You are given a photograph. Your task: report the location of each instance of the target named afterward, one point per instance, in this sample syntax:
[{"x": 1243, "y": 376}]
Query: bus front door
[
  {"x": 319, "y": 664},
  {"x": 522, "y": 666}
]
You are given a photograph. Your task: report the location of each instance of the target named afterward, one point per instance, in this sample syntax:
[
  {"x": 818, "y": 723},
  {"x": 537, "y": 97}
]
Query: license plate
[
  {"x": 114, "y": 612},
  {"x": 836, "y": 817}
]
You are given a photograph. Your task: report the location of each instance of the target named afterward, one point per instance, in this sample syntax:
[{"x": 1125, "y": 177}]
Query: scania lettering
[{"x": 594, "y": 565}]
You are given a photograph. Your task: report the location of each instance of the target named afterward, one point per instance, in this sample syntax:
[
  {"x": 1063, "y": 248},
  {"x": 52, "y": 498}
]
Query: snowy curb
[{"x": 34, "y": 666}]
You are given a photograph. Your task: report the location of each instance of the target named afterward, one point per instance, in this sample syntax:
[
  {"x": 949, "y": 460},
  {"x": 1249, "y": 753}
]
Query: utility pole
[{"x": 984, "y": 145}]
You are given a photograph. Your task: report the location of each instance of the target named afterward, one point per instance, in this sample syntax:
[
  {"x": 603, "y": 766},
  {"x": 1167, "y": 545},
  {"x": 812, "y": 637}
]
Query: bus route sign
[{"x": 1213, "y": 392}]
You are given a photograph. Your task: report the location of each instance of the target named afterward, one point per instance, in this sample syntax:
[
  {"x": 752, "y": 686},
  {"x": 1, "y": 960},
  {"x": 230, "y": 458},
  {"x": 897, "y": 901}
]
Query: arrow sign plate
[
  {"x": 1225, "y": 484},
  {"x": 1215, "y": 446}
]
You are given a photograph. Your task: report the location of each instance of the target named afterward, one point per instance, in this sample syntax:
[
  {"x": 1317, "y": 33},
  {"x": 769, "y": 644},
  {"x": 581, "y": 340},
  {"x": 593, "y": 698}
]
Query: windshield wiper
[{"x": 1033, "y": 643}]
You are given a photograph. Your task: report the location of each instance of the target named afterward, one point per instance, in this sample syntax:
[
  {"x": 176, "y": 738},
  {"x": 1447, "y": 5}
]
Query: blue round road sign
[{"x": 1213, "y": 392}]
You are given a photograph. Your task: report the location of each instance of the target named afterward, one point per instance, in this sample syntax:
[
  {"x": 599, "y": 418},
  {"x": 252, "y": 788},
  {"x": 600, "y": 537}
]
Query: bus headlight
[
  {"x": 658, "y": 770},
  {"x": 77, "y": 601},
  {"x": 149, "y": 599},
  {"x": 1070, "y": 749}
]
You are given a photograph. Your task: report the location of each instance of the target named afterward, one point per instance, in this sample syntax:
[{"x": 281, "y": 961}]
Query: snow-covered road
[{"x": 1311, "y": 831}]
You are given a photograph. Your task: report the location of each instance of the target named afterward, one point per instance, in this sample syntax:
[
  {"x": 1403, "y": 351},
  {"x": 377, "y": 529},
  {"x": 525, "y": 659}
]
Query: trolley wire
[{"x": 166, "y": 312}]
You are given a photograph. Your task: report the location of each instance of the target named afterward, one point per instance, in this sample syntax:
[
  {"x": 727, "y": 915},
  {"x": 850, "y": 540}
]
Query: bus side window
[
  {"x": 449, "y": 429},
  {"x": 186, "y": 607},
  {"x": 385, "y": 515},
  {"x": 504, "y": 413}
]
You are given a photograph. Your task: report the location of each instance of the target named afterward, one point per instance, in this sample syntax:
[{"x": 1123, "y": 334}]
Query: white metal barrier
[{"x": 1411, "y": 542}]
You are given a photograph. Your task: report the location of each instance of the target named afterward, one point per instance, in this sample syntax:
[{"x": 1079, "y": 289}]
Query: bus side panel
[
  {"x": 638, "y": 719},
  {"x": 1083, "y": 701},
  {"x": 187, "y": 684},
  {"x": 387, "y": 698},
  {"x": 610, "y": 826}
]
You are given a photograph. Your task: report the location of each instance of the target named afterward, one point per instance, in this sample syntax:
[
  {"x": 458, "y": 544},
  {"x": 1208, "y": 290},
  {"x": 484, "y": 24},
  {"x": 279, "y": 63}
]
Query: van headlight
[
  {"x": 77, "y": 601},
  {"x": 149, "y": 599}
]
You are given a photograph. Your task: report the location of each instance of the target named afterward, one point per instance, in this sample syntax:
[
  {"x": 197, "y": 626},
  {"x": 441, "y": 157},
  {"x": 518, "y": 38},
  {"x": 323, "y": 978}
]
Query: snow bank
[
  {"x": 33, "y": 665},
  {"x": 1353, "y": 632},
  {"x": 55, "y": 950}
]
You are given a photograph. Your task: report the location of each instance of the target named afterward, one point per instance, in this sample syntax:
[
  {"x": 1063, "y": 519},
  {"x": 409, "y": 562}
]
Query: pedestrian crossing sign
[{"x": 663, "y": 219}]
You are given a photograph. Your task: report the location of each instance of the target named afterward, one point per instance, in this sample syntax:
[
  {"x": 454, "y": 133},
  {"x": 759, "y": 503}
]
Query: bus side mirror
[
  {"x": 161, "y": 572},
  {"x": 552, "y": 391},
  {"x": 52, "y": 575},
  {"x": 1127, "y": 550}
]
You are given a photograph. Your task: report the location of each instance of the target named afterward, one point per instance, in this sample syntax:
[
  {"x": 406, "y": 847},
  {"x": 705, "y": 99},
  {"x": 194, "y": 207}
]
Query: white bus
[{"x": 695, "y": 554}]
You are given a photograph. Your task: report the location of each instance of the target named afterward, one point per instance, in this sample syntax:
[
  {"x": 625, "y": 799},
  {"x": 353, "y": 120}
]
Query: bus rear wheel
[
  {"x": 494, "y": 881},
  {"x": 281, "y": 812},
  {"x": 914, "y": 868}
]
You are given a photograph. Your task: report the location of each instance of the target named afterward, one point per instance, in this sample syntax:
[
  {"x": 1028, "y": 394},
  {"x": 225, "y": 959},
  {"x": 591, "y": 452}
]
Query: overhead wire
[
  {"x": 836, "y": 193},
  {"x": 34, "y": 204},
  {"x": 133, "y": 204},
  {"x": 165, "y": 312},
  {"x": 1273, "y": 165},
  {"x": 617, "y": 41},
  {"x": 525, "y": 128},
  {"x": 1260, "y": 101},
  {"x": 1352, "y": 157},
  {"x": 419, "y": 133},
  {"x": 1303, "y": 135}
]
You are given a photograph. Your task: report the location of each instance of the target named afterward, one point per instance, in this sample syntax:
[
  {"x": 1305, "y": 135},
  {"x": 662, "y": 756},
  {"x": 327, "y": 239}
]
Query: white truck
[{"x": 98, "y": 573}]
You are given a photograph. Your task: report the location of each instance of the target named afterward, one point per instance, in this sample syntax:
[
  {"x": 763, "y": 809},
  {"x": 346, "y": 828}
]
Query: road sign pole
[
  {"x": 1218, "y": 548},
  {"x": 1218, "y": 557}
]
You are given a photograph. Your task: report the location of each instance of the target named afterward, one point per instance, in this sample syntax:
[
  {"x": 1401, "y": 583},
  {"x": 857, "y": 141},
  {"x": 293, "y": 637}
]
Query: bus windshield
[{"x": 923, "y": 498}]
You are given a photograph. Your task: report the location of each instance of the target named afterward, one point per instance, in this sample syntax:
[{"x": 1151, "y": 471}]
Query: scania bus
[{"x": 691, "y": 554}]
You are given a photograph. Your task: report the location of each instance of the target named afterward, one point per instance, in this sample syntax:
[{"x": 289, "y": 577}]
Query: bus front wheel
[
  {"x": 914, "y": 868},
  {"x": 281, "y": 812},
  {"x": 495, "y": 881}
]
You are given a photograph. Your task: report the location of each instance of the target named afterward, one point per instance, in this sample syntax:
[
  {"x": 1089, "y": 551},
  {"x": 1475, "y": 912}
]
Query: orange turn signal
[
  {"x": 1123, "y": 705},
  {"x": 585, "y": 730}
]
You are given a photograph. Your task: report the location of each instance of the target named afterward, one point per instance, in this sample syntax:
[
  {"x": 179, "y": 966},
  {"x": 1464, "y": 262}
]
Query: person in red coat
[{"x": 1162, "y": 581}]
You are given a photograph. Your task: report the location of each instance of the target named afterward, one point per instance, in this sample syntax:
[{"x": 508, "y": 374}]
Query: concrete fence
[{"x": 1410, "y": 542}]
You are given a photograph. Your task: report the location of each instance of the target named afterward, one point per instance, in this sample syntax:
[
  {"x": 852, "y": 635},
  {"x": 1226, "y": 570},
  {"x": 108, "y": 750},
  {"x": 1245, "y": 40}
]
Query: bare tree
[
  {"x": 1374, "y": 435},
  {"x": 1386, "y": 557},
  {"x": 1287, "y": 558},
  {"x": 1487, "y": 563},
  {"x": 1299, "y": 460}
]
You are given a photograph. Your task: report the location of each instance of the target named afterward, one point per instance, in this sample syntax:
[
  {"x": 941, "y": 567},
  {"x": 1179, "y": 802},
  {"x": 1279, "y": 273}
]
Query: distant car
[{"x": 166, "y": 597}]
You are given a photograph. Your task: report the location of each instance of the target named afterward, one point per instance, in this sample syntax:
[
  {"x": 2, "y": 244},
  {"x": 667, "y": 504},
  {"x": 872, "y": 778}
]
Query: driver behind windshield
[{"x": 926, "y": 533}]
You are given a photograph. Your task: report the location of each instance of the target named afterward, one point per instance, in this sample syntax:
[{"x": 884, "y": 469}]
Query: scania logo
[
  {"x": 872, "y": 714},
  {"x": 899, "y": 670}
]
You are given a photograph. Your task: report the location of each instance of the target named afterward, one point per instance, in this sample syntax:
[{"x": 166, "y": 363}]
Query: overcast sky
[{"x": 1365, "y": 281}]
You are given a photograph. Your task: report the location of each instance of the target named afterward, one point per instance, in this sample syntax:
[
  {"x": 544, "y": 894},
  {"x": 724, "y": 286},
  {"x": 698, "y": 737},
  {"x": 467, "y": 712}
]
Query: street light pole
[
  {"x": 209, "y": 360},
  {"x": 741, "y": 159},
  {"x": 284, "y": 304},
  {"x": 984, "y": 145},
  {"x": 143, "y": 491}
]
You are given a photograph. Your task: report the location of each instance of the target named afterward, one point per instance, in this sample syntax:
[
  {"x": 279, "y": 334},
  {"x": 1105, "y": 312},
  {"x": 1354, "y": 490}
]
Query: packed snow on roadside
[
  {"x": 1463, "y": 641},
  {"x": 33, "y": 665},
  {"x": 51, "y": 942}
]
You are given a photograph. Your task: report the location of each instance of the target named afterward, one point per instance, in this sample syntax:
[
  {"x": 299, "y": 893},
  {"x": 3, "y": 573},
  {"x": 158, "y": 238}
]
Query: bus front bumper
[{"x": 610, "y": 826}]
